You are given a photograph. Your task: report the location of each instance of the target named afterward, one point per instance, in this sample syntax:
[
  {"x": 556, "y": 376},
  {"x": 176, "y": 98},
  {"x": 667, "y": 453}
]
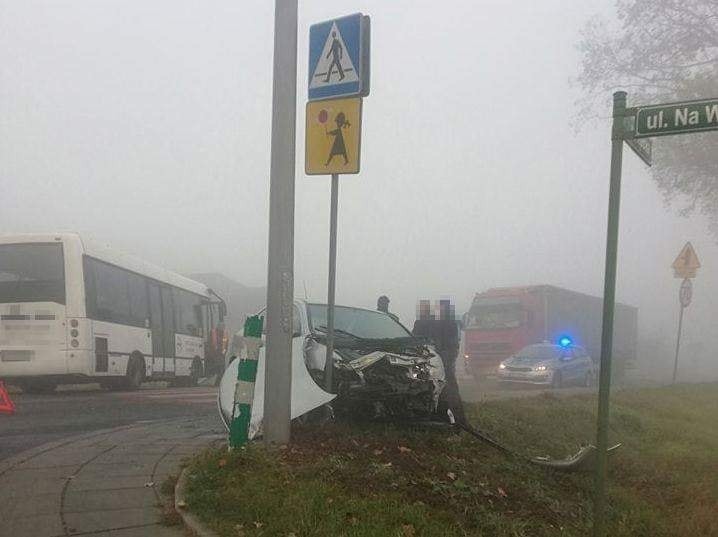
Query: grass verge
[{"x": 379, "y": 479}]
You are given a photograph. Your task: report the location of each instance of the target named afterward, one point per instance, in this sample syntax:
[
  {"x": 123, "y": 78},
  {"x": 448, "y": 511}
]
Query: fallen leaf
[
  {"x": 378, "y": 451},
  {"x": 451, "y": 475},
  {"x": 408, "y": 530},
  {"x": 181, "y": 504},
  {"x": 258, "y": 524},
  {"x": 222, "y": 463},
  {"x": 403, "y": 449},
  {"x": 501, "y": 492}
]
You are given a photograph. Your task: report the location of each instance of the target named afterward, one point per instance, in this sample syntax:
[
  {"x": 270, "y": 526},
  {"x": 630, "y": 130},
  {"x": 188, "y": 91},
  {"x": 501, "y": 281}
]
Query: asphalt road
[
  {"x": 45, "y": 418},
  {"x": 79, "y": 409}
]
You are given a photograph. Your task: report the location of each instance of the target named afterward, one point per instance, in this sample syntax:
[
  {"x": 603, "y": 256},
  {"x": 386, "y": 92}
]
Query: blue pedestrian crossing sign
[{"x": 339, "y": 58}]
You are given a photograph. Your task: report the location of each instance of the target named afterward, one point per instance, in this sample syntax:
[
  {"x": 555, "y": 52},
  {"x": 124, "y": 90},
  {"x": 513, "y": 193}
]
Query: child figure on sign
[{"x": 338, "y": 147}]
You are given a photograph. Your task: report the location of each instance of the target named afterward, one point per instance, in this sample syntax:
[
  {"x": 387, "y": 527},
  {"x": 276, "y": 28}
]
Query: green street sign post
[{"x": 630, "y": 125}]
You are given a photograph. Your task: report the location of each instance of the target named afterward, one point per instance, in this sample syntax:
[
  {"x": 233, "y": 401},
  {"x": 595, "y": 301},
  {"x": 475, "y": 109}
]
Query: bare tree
[{"x": 660, "y": 51}]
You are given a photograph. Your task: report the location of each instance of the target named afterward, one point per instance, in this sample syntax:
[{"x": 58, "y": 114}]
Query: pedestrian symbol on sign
[
  {"x": 335, "y": 64},
  {"x": 337, "y": 52}
]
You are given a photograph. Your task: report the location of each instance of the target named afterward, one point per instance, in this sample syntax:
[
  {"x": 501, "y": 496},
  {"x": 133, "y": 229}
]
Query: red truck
[{"x": 501, "y": 321}]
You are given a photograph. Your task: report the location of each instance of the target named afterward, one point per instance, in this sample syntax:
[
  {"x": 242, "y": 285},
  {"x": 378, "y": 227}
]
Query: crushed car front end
[{"x": 375, "y": 379}]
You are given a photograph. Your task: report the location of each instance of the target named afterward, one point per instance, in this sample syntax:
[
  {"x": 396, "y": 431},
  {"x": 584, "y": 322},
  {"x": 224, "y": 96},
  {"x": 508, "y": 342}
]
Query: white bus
[{"x": 75, "y": 311}]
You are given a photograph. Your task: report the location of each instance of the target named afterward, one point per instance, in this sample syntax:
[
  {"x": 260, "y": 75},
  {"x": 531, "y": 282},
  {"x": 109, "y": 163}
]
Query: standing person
[
  {"x": 423, "y": 326},
  {"x": 444, "y": 333},
  {"x": 449, "y": 350},
  {"x": 382, "y": 304}
]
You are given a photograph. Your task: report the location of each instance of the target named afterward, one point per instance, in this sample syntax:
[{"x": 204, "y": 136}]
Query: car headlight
[
  {"x": 502, "y": 366},
  {"x": 541, "y": 368}
]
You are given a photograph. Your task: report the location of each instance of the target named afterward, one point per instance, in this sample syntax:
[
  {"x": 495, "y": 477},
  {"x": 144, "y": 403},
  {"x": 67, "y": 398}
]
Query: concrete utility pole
[{"x": 280, "y": 279}]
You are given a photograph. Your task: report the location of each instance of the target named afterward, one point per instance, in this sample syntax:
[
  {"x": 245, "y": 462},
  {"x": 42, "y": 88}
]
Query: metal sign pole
[
  {"x": 329, "y": 362},
  {"x": 609, "y": 300},
  {"x": 685, "y": 295},
  {"x": 280, "y": 278},
  {"x": 678, "y": 343}
]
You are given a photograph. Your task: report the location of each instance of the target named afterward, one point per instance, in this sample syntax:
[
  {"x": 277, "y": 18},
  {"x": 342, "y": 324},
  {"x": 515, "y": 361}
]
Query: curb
[{"x": 190, "y": 521}]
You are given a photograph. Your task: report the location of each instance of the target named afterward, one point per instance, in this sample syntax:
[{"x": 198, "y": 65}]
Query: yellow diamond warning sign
[
  {"x": 333, "y": 136},
  {"x": 686, "y": 264}
]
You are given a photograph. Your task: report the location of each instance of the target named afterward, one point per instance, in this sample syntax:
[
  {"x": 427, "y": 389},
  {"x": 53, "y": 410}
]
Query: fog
[{"x": 147, "y": 124}]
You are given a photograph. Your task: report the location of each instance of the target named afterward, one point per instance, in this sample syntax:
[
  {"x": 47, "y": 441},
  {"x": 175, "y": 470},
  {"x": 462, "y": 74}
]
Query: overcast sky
[{"x": 147, "y": 124}]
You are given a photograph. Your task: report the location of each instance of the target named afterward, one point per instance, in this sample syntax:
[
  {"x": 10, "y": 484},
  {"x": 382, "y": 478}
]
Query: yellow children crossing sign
[{"x": 333, "y": 136}]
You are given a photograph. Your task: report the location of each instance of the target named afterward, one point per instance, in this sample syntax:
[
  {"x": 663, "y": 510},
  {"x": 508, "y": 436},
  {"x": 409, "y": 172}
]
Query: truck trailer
[{"x": 501, "y": 321}]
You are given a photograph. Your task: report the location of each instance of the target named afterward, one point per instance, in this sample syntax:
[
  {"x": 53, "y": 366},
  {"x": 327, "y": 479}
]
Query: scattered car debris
[{"x": 583, "y": 459}]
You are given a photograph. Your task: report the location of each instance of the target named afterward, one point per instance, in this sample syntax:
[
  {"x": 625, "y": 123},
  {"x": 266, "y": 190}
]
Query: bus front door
[
  {"x": 156, "y": 327},
  {"x": 168, "y": 331}
]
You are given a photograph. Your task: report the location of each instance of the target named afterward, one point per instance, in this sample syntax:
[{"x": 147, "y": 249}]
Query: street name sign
[
  {"x": 339, "y": 58},
  {"x": 676, "y": 118},
  {"x": 686, "y": 264},
  {"x": 333, "y": 136}
]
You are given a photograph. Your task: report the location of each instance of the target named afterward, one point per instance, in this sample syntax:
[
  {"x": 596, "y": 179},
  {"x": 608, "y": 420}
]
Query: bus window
[
  {"x": 32, "y": 272},
  {"x": 139, "y": 306}
]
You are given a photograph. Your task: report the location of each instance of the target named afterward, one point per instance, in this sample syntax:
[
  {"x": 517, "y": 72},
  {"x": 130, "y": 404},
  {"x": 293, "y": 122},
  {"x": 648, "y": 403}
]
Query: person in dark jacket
[{"x": 444, "y": 333}]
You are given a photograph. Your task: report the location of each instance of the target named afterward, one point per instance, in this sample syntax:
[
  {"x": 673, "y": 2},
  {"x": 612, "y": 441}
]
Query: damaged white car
[{"x": 380, "y": 369}]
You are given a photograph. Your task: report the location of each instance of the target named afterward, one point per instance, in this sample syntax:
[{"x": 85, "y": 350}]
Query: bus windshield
[{"x": 32, "y": 272}]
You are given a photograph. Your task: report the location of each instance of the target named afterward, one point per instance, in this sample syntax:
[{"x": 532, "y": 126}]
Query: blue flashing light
[{"x": 565, "y": 341}]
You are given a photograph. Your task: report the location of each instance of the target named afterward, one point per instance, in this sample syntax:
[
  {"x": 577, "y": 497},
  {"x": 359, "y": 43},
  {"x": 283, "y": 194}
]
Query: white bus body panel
[
  {"x": 33, "y": 339},
  {"x": 121, "y": 342},
  {"x": 187, "y": 348}
]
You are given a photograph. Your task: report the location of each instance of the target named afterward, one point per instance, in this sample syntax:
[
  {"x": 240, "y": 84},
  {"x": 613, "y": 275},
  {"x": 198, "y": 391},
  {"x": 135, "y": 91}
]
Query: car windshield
[
  {"x": 32, "y": 273},
  {"x": 536, "y": 353},
  {"x": 357, "y": 322}
]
